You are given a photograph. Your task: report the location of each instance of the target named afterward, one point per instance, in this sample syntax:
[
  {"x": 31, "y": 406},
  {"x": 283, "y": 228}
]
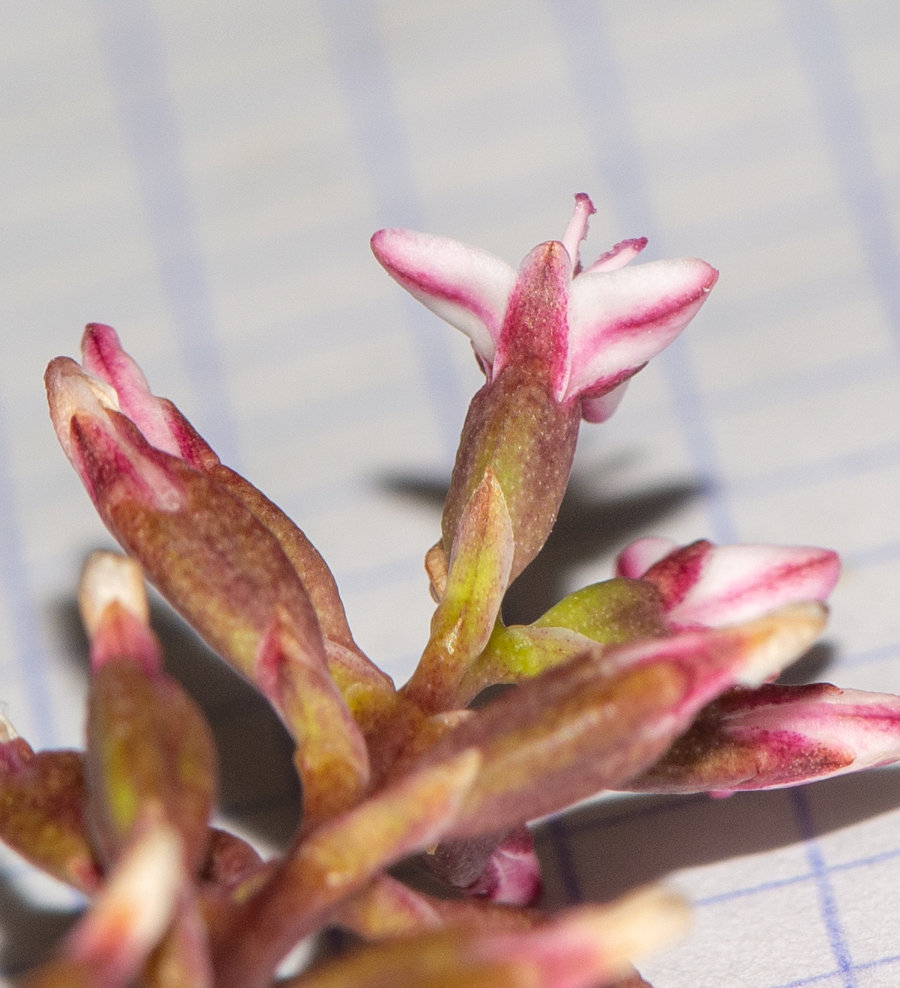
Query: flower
[
  {"x": 711, "y": 586},
  {"x": 778, "y": 736},
  {"x": 589, "y": 329},
  {"x": 556, "y": 343}
]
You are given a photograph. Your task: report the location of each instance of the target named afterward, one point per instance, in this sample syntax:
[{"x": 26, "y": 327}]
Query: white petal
[
  {"x": 635, "y": 559},
  {"x": 467, "y": 287},
  {"x": 741, "y": 582},
  {"x": 618, "y": 320},
  {"x": 600, "y": 409}
]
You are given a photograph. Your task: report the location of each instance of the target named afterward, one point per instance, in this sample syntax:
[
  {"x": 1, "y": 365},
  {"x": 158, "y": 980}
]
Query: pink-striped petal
[
  {"x": 104, "y": 357},
  {"x": 513, "y": 873},
  {"x": 467, "y": 287},
  {"x": 535, "y": 330},
  {"x": 618, "y": 320},
  {"x": 602, "y": 408},
  {"x": 778, "y": 736},
  {"x": 634, "y": 560},
  {"x": 740, "y": 582},
  {"x": 618, "y": 256}
]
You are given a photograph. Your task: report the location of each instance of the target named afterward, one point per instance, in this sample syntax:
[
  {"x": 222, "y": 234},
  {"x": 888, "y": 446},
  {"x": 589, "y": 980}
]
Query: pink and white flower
[
  {"x": 702, "y": 584},
  {"x": 589, "y": 329}
]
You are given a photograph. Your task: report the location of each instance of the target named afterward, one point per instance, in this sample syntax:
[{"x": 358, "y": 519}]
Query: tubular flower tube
[
  {"x": 556, "y": 343},
  {"x": 587, "y": 948},
  {"x": 778, "y": 736}
]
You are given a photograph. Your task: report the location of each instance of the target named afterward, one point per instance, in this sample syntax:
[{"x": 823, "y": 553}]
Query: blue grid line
[
  {"x": 562, "y": 828},
  {"x": 129, "y": 33},
  {"x": 869, "y": 656},
  {"x": 593, "y": 61},
  {"x": 805, "y": 383},
  {"x": 815, "y": 472},
  {"x": 618, "y": 156},
  {"x": 362, "y": 68},
  {"x": 813, "y": 979},
  {"x": 816, "y": 38},
  {"x": 31, "y": 659}
]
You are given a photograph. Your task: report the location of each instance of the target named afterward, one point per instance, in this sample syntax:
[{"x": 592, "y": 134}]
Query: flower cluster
[{"x": 658, "y": 680}]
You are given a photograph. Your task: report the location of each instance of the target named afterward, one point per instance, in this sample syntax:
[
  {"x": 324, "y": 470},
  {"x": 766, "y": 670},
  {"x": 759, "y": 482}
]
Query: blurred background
[{"x": 205, "y": 177}]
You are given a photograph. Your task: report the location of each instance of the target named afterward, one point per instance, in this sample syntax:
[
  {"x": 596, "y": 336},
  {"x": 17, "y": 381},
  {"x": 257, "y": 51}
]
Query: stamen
[{"x": 577, "y": 229}]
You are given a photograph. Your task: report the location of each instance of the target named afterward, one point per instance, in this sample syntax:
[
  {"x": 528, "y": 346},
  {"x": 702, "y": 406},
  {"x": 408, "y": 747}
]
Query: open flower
[
  {"x": 591, "y": 329},
  {"x": 557, "y": 343}
]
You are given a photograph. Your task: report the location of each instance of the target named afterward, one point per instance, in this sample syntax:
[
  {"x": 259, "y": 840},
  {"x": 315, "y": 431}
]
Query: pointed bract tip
[
  {"x": 591, "y": 943},
  {"x": 7, "y": 731},
  {"x": 642, "y": 923},
  {"x": 137, "y": 903},
  {"x": 70, "y": 390},
  {"x": 107, "y": 578},
  {"x": 780, "y": 638}
]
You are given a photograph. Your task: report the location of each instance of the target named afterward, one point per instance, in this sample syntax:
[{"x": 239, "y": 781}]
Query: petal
[
  {"x": 617, "y": 257},
  {"x": 602, "y": 408},
  {"x": 104, "y": 357},
  {"x": 634, "y": 560},
  {"x": 535, "y": 331},
  {"x": 513, "y": 872},
  {"x": 618, "y": 320},
  {"x": 740, "y": 582},
  {"x": 467, "y": 287}
]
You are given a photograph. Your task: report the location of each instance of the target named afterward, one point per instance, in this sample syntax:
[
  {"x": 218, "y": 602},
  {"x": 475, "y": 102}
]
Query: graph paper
[{"x": 205, "y": 177}]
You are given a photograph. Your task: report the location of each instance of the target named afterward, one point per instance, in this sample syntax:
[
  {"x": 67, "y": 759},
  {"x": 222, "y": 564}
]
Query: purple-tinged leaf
[
  {"x": 477, "y": 579},
  {"x": 334, "y": 862},
  {"x": 150, "y": 756},
  {"x": 603, "y": 717},
  {"x": 42, "y": 802},
  {"x": 109, "y": 945},
  {"x": 163, "y": 425},
  {"x": 209, "y": 555},
  {"x": 589, "y": 947}
]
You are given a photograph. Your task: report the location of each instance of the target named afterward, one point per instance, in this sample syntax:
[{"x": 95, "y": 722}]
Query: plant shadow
[
  {"x": 589, "y": 525},
  {"x": 599, "y": 851}
]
